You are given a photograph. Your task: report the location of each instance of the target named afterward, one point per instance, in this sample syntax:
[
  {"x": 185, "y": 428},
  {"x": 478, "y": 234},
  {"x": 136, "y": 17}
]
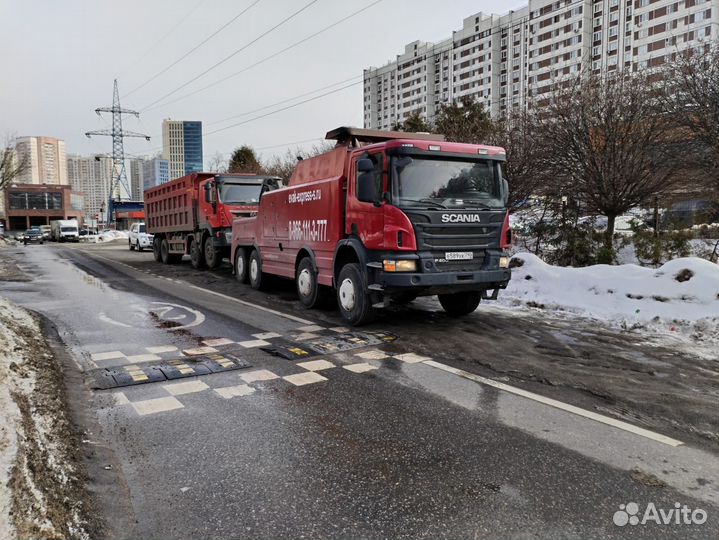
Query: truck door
[
  {"x": 206, "y": 197},
  {"x": 366, "y": 220}
]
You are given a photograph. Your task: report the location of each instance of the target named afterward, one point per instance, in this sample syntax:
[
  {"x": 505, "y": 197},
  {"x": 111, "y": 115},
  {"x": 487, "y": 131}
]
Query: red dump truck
[
  {"x": 384, "y": 217},
  {"x": 193, "y": 214}
]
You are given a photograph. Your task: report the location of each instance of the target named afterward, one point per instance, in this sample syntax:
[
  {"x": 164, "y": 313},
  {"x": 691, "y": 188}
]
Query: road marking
[
  {"x": 266, "y": 335},
  {"x": 121, "y": 398},
  {"x": 374, "y": 354},
  {"x": 411, "y": 358},
  {"x": 143, "y": 358},
  {"x": 232, "y": 391},
  {"x": 152, "y": 406},
  {"x": 305, "y": 336},
  {"x": 253, "y": 343},
  {"x": 259, "y": 375},
  {"x": 360, "y": 368},
  {"x": 188, "y": 387},
  {"x": 199, "y": 350},
  {"x": 161, "y": 349},
  {"x": 340, "y": 329},
  {"x": 300, "y": 379},
  {"x": 316, "y": 365},
  {"x": 111, "y": 355},
  {"x": 557, "y": 404},
  {"x": 311, "y": 328},
  {"x": 218, "y": 342}
]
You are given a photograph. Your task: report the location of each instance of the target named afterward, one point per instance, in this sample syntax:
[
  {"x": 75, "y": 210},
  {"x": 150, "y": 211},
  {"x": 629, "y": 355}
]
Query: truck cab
[{"x": 385, "y": 217}]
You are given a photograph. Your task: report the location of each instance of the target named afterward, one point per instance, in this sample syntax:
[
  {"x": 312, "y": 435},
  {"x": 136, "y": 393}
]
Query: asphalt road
[{"x": 379, "y": 440}]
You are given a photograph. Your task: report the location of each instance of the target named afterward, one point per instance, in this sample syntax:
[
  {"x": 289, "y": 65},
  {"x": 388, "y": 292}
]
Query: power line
[
  {"x": 226, "y": 58},
  {"x": 262, "y": 61},
  {"x": 188, "y": 53}
]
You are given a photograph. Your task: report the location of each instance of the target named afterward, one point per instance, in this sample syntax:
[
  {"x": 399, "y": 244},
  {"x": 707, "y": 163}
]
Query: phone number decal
[{"x": 309, "y": 230}]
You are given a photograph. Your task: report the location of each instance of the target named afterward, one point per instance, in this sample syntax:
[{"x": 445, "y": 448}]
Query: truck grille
[{"x": 460, "y": 238}]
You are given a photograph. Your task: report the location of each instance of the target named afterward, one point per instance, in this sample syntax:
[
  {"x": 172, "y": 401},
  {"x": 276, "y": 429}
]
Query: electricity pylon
[{"x": 119, "y": 175}]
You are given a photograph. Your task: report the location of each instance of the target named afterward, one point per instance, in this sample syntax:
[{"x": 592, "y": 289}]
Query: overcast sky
[{"x": 59, "y": 59}]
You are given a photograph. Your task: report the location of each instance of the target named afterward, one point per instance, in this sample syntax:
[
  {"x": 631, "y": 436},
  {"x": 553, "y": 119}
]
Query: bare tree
[
  {"x": 606, "y": 143},
  {"x": 10, "y": 166},
  {"x": 218, "y": 163},
  {"x": 284, "y": 165},
  {"x": 691, "y": 99}
]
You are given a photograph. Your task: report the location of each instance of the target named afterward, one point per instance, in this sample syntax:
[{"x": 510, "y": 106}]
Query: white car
[{"x": 139, "y": 238}]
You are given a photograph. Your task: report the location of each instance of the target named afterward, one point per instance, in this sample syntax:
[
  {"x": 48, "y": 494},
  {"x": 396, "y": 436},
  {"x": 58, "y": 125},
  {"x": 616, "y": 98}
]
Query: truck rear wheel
[
  {"x": 255, "y": 270},
  {"x": 156, "y": 249},
  {"x": 241, "y": 265},
  {"x": 197, "y": 259},
  {"x": 352, "y": 298},
  {"x": 166, "y": 256},
  {"x": 459, "y": 304},
  {"x": 309, "y": 290},
  {"x": 213, "y": 257}
]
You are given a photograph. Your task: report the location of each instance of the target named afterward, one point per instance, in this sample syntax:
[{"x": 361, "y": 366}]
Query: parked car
[
  {"x": 139, "y": 239},
  {"x": 46, "y": 231},
  {"x": 33, "y": 236}
]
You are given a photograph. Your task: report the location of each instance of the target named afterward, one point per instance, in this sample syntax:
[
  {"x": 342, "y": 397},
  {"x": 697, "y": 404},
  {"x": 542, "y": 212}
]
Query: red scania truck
[
  {"x": 384, "y": 216},
  {"x": 193, "y": 214}
]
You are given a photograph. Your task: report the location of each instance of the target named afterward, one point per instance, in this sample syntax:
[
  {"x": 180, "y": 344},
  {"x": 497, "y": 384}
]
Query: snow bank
[{"x": 682, "y": 290}]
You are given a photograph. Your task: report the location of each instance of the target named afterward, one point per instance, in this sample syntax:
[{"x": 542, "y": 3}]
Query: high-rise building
[
  {"x": 137, "y": 169},
  {"x": 91, "y": 176},
  {"x": 182, "y": 146},
  {"x": 513, "y": 60},
  {"x": 156, "y": 171},
  {"x": 45, "y": 158}
]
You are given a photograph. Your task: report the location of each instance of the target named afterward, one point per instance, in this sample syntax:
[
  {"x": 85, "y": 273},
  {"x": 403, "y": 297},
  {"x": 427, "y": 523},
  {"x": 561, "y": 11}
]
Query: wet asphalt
[{"x": 401, "y": 451}]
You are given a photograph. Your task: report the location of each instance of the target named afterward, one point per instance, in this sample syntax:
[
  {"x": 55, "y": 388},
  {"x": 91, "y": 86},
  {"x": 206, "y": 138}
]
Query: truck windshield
[
  {"x": 446, "y": 183},
  {"x": 68, "y": 229},
  {"x": 240, "y": 194}
]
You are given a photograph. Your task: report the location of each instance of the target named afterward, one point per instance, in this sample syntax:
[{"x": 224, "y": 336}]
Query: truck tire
[
  {"x": 132, "y": 248},
  {"x": 352, "y": 299},
  {"x": 255, "y": 270},
  {"x": 167, "y": 257},
  {"x": 197, "y": 258},
  {"x": 459, "y": 304},
  {"x": 156, "y": 249},
  {"x": 241, "y": 265},
  {"x": 213, "y": 257},
  {"x": 309, "y": 291}
]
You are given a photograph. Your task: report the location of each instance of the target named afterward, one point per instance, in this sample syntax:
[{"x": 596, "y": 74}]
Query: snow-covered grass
[{"x": 680, "y": 296}]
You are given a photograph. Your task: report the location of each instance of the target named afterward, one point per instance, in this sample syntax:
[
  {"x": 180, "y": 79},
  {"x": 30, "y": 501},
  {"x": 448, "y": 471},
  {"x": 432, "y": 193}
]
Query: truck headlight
[
  {"x": 504, "y": 262},
  {"x": 399, "y": 266}
]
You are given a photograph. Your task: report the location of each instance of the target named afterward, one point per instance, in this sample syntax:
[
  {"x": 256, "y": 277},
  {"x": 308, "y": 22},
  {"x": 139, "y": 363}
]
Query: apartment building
[
  {"x": 512, "y": 60},
  {"x": 45, "y": 158},
  {"x": 137, "y": 171},
  {"x": 91, "y": 176},
  {"x": 156, "y": 171},
  {"x": 182, "y": 146}
]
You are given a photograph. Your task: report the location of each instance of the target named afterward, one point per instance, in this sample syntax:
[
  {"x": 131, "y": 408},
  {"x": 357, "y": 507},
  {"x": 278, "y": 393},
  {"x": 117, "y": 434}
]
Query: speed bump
[{"x": 327, "y": 344}]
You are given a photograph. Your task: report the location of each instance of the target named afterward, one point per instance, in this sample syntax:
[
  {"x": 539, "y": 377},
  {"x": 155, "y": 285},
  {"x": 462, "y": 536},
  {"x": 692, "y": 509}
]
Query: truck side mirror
[{"x": 366, "y": 191}]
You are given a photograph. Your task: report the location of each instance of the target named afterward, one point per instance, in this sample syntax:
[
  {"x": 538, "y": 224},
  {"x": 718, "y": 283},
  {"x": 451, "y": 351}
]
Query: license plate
[{"x": 459, "y": 255}]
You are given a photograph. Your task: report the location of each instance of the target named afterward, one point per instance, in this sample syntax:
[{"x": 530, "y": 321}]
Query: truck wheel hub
[
  {"x": 304, "y": 282},
  {"x": 253, "y": 269},
  {"x": 347, "y": 294}
]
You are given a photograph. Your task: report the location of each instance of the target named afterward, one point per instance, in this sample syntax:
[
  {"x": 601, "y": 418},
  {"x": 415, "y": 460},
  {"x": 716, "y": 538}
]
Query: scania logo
[{"x": 461, "y": 218}]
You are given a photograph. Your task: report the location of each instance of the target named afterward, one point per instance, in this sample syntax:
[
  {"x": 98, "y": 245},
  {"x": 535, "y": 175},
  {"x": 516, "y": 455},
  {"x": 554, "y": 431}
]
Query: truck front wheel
[
  {"x": 197, "y": 259},
  {"x": 459, "y": 304},
  {"x": 156, "y": 252},
  {"x": 213, "y": 258},
  {"x": 308, "y": 288},
  {"x": 352, "y": 298},
  {"x": 255, "y": 270}
]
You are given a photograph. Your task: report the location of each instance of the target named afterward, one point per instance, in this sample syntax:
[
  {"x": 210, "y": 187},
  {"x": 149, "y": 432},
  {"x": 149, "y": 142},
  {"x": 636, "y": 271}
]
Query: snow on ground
[
  {"x": 681, "y": 296},
  {"x": 41, "y": 495}
]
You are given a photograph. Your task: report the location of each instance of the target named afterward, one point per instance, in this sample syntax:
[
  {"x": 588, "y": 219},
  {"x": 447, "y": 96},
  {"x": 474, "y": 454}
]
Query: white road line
[
  {"x": 411, "y": 358},
  {"x": 300, "y": 379},
  {"x": 143, "y": 358},
  {"x": 232, "y": 391},
  {"x": 374, "y": 354},
  {"x": 311, "y": 328},
  {"x": 316, "y": 365},
  {"x": 121, "y": 398},
  {"x": 161, "y": 349},
  {"x": 266, "y": 335},
  {"x": 199, "y": 350},
  {"x": 188, "y": 387},
  {"x": 152, "y": 406},
  {"x": 112, "y": 355},
  {"x": 305, "y": 336},
  {"x": 218, "y": 342},
  {"x": 340, "y": 329},
  {"x": 360, "y": 368},
  {"x": 253, "y": 343},
  {"x": 557, "y": 404},
  {"x": 232, "y": 299},
  {"x": 259, "y": 375}
]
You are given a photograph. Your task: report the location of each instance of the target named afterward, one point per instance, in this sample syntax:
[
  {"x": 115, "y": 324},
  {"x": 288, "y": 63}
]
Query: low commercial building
[{"x": 28, "y": 205}]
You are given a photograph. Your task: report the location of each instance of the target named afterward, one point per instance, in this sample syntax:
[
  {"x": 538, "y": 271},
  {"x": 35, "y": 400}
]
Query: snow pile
[
  {"x": 41, "y": 492},
  {"x": 681, "y": 291},
  {"x": 110, "y": 236}
]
